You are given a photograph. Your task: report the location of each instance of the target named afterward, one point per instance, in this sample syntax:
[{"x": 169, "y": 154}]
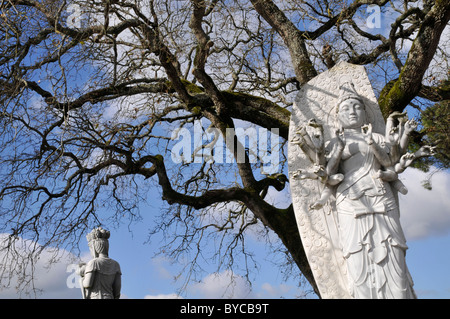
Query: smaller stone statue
[{"x": 101, "y": 276}]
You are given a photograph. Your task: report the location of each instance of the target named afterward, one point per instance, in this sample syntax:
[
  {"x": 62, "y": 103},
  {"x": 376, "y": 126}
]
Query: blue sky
[
  {"x": 427, "y": 228},
  {"x": 425, "y": 218}
]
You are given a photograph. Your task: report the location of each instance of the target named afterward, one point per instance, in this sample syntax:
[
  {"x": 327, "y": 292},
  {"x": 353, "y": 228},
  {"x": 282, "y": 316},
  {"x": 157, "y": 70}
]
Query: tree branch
[
  {"x": 396, "y": 96},
  {"x": 292, "y": 37}
]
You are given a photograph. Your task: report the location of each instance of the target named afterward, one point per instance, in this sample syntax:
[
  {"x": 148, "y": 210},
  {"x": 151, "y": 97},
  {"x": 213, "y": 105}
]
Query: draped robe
[{"x": 371, "y": 237}]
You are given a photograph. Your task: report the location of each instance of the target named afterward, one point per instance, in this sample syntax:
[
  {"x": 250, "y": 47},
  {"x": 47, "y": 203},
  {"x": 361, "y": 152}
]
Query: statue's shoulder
[
  {"x": 103, "y": 265},
  {"x": 329, "y": 144},
  {"x": 116, "y": 266},
  {"x": 93, "y": 265}
]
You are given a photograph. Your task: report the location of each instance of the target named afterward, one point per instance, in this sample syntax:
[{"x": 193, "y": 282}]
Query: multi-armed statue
[
  {"x": 101, "y": 276},
  {"x": 357, "y": 170}
]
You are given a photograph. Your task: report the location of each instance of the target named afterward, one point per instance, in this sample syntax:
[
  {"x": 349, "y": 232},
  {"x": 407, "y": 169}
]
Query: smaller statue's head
[
  {"x": 351, "y": 112},
  {"x": 98, "y": 242}
]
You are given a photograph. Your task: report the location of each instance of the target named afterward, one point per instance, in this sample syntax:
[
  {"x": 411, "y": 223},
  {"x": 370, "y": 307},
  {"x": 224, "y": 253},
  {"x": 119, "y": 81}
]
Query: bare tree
[{"x": 93, "y": 91}]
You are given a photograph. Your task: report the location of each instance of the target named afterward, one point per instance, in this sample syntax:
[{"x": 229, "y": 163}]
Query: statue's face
[{"x": 351, "y": 114}]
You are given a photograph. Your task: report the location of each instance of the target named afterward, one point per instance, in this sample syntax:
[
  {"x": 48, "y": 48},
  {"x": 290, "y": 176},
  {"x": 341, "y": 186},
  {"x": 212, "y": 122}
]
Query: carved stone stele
[{"x": 352, "y": 238}]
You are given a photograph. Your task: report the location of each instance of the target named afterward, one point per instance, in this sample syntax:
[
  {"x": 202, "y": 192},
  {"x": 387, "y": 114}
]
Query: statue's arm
[
  {"x": 117, "y": 285},
  {"x": 337, "y": 146},
  {"x": 379, "y": 152},
  {"x": 305, "y": 142},
  {"x": 393, "y": 142},
  {"x": 410, "y": 126},
  {"x": 408, "y": 158},
  {"x": 88, "y": 279}
]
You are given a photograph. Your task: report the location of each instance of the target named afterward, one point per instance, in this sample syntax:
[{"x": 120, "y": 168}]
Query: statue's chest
[{"x": 354, "y": 147}]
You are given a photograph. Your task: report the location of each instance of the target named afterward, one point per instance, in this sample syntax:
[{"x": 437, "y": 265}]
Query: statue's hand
[
  {"x": 340, "y": 138},
  {"x": 425, "y": 151},
  {"x": 81, "y": 269},
  {"x": 367, "y": 133},
  {"x": 407, "y": 159},
  {"x": 410, "y": 126},
  {"x": 378, "y": 174},
  {"x": 394, "y": 137},
  {"x": 301, "y": 174},
  {"x": 316, "y": 205},
  {"x": 314, "y": 123},
  {"x": 397, "y": 114},
  {"x": 301, "y": 131}
]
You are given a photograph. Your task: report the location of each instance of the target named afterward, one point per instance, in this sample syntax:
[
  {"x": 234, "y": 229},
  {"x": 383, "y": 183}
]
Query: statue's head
[
  {"x": 98, "y": 241},
  {"x": 350, "y": 111}
]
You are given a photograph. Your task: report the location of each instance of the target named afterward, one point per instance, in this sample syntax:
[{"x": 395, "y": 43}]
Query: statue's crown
[
  {"x": 98, "y": 233},
  {"x": 347, "y": 91}
]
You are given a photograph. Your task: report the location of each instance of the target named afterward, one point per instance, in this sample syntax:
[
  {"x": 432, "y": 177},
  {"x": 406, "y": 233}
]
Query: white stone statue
[
  {"x": 346, "y": 197},
  {"x": 101, "y": 276}
]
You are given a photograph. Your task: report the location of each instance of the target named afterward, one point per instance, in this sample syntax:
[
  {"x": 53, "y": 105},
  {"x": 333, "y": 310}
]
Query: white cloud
[
  {"x": 272, "y": 291},
  {"x": 159, "y": 264},
  {"x": 425, "y": 212},
  {"x": 51, "y": 280},
  {"x": 221, "y": 285},
  {"x": 280, "y": 199}
]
